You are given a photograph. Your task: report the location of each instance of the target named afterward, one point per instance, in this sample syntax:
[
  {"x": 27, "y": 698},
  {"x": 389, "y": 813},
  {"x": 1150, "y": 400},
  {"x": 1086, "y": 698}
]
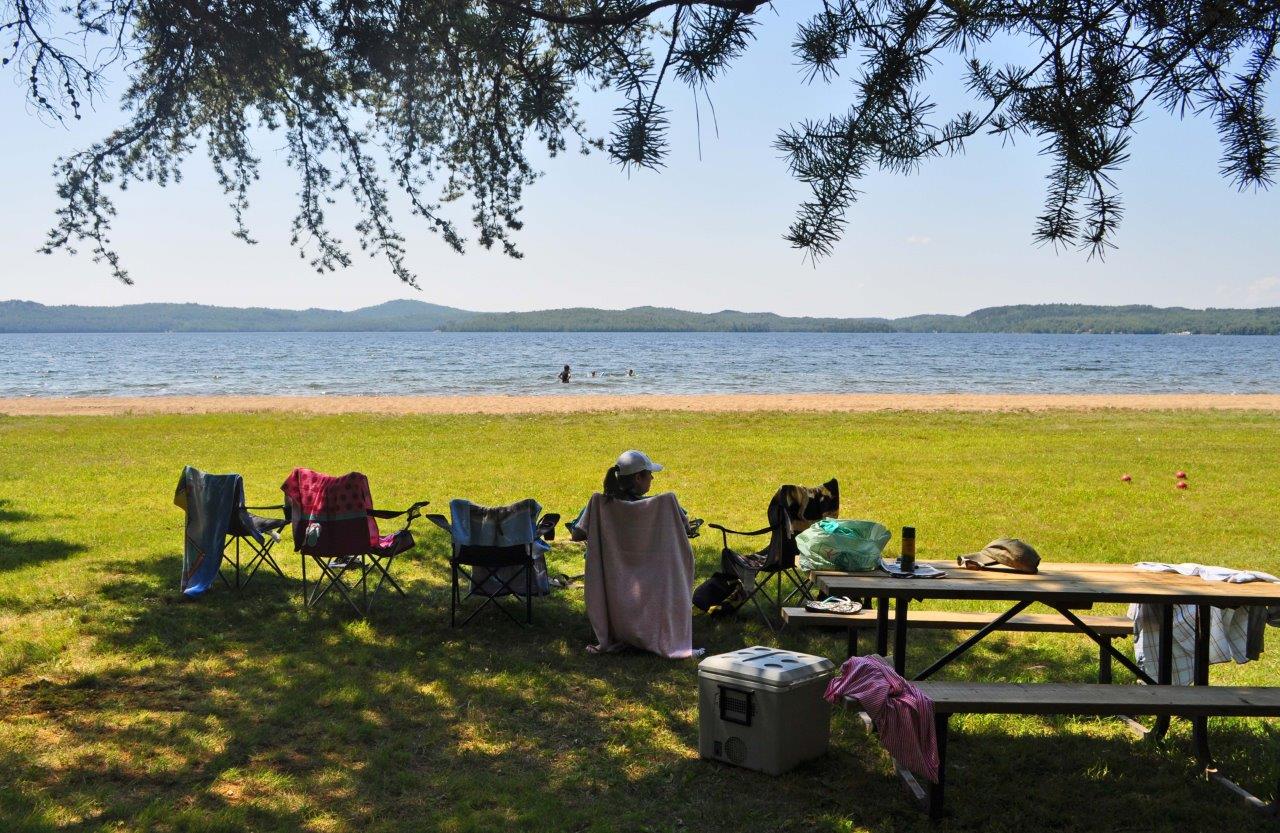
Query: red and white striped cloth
[{"x": 902, "y": 713}]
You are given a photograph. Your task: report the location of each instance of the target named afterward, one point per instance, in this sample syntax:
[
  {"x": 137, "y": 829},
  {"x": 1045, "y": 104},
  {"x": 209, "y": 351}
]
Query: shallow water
[{"x": 160, "y": 364}]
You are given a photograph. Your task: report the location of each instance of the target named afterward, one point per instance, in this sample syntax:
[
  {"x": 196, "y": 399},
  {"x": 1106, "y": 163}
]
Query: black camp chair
[
  {"x": 497, "y": 559},
  {"x": 243, "y": 526},
  {"x": 218, "y": 524},
  {"x": 791, "y": 510}
]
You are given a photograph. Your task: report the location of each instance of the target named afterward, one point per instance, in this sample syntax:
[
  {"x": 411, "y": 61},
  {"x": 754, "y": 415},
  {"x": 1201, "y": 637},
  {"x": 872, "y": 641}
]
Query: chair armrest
[
  {"x": 412, "y": 511},
  {"x": 576, "y": 534},
  {"x": 411, "y": 514},
  {"x": 440, "y": 521},
  {"x": 738, "y": 532},
  {"x": 546, "y": 528}
]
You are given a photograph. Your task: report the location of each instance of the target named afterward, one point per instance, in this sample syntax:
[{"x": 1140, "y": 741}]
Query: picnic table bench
[
  {"x": 865, "y": 620},
  {"x": 1090, "y": 699},
  {"x": 1067, "y": 588}
]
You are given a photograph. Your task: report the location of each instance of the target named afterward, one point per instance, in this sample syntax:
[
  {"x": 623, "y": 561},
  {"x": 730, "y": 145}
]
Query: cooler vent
[
  {"x": 735, "y": 749},
  {"x": 735, "y": 706}
]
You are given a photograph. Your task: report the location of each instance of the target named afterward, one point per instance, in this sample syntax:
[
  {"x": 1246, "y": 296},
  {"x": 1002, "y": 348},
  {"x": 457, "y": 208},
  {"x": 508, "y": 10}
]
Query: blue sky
[{"x": 702, "y": 234}]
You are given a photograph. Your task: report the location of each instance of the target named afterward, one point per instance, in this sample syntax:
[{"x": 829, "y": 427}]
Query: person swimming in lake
[
  {"x": 564, "y": 375},
  {"x": 630, "y": 478}
]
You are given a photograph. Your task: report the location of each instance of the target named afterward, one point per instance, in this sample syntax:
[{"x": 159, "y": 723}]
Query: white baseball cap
[{"x": 633, "y": 462}]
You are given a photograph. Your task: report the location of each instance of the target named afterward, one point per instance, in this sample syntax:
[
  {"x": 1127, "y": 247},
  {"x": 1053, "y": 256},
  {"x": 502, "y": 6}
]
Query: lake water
[{"x": 167, "y": 364}]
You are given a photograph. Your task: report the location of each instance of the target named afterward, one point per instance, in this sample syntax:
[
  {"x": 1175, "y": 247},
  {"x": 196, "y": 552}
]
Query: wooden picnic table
[
  {"x": 1065, "y": 588},
  {"x": 1060, "y": 586}
]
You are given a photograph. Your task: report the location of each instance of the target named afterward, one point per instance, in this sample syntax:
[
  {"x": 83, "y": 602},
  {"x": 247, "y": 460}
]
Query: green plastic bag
[{"x": 848, "y": 546}]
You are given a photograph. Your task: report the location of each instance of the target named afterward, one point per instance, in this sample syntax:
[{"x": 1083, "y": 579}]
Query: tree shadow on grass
[
  {"x": 17, "y": 553},
  {"x": 244, "y": 711},
  {"x": 1014, "y": 774},
  {"x": 12, "y": 516}
]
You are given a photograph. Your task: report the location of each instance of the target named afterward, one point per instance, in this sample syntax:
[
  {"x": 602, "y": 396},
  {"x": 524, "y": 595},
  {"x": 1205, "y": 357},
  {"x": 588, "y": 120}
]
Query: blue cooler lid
[{"x": 768, "y": 666}]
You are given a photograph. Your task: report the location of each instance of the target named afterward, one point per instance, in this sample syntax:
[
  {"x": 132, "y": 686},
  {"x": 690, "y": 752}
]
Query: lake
[{"x": 168, "y": 364}]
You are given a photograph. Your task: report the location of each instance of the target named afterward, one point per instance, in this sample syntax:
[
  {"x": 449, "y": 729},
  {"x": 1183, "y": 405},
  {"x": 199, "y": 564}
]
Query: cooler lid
[{"x": 768, "y": 666}]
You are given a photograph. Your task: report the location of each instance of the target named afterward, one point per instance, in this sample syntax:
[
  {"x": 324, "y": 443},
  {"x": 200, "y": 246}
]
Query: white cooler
[{"x": 762, "y": 708}]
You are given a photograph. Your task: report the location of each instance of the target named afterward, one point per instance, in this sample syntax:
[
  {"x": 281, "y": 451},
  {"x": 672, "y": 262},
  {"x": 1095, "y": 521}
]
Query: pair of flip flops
[
  {"x": 834, "y": 604},
  {"x": 564, "y": 581}
]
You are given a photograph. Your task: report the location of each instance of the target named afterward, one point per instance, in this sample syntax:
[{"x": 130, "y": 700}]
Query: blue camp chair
[{"x": 500, "y": 552}]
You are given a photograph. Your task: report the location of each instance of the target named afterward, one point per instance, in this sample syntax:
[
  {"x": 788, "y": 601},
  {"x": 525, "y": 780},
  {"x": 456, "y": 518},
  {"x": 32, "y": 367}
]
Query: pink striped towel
[{"x": 902, "y": 713}]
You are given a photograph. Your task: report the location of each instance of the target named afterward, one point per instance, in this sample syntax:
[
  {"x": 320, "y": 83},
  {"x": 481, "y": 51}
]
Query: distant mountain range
[{"x": 413, "y": 316}]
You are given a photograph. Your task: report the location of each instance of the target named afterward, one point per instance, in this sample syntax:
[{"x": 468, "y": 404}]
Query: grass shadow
[
  {"x": 244, "y": 711},
  {"x": 1091, "y": 774},
  {"x": 17, "y": 553}
]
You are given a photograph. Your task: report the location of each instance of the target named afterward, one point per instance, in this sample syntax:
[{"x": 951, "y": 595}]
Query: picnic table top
[{"x": 1062, "y": 583}]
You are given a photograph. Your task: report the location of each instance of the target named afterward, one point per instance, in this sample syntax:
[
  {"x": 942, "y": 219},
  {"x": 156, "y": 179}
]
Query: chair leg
[
  {"x": 344, "y": 590},
  {"x": 494, "y": 598},
  {"x": 384, "y": 574},
  {"x": 270, "y": 558},
  {"x": 330, "y": 578},
  {"x": 261, "y": 554},
  {"x": 320, "y": 587},
  {"x": 753, "y": 586},
  {"x": 800, "y": 585},
  {"x": 364, "y": 584},
  {"x": 382, "y": 568},
  {"x": 231, "y": 557},
  {"x": 764, "y": 613},
  {"x": 453, "y": 596}
]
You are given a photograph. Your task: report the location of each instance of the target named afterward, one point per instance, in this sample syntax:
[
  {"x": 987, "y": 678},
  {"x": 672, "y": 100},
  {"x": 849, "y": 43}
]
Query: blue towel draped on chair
[{"x": 211, "y": 502}]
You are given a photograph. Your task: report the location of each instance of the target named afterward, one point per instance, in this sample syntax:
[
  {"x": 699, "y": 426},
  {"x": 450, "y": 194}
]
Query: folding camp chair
[
  {"x": 336, "y": 527},
  {"x": 791, "y": 510},
  {"x": 499, "y": 551},
  {"x": 243, "y": 528},
  {"x": 215, "y": 511},
  {"x": 638, "y": 585}
]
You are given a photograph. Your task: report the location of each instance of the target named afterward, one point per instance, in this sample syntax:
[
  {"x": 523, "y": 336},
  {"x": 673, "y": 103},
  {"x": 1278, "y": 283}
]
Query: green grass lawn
[{"x": 122, "y": 710}]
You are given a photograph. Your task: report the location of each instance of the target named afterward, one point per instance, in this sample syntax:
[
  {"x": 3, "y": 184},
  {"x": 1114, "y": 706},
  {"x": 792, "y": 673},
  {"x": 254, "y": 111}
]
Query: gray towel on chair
[{"x": 501, "y": 526}]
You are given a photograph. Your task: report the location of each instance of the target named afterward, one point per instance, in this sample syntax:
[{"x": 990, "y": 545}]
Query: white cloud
[
  {"x": 1265, "y": 290},
  {"x": 919, "y": 240}
]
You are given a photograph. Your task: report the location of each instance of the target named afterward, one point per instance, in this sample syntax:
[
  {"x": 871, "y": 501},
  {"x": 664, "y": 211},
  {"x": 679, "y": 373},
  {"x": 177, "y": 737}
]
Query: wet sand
[{"x": 566, "y": 404}]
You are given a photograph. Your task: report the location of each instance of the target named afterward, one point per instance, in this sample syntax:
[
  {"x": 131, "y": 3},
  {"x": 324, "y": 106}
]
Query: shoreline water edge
[{"x": 598, "y": 403}]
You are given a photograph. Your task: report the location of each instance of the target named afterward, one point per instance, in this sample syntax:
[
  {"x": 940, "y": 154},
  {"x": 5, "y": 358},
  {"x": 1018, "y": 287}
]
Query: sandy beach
[{"x": 564, "y": 404}]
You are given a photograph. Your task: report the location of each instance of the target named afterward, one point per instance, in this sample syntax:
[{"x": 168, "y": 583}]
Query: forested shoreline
[{"x": 417, "y": 316}]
